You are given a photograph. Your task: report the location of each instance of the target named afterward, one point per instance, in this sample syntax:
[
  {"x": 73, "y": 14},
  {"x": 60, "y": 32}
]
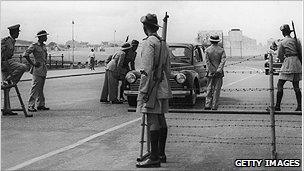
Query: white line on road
[
  {"x": 26, "y": 163},
  {"x": 239, "y": 80}
]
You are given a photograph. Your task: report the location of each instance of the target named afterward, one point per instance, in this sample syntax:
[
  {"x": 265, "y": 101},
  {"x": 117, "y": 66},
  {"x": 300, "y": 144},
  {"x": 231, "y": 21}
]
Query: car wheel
[
  {"x": 191, "y": 99},
  {"x": 132, "y": 100}
]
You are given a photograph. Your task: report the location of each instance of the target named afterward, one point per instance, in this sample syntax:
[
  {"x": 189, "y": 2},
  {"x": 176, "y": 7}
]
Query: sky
[{"x": 97, "y": 21}]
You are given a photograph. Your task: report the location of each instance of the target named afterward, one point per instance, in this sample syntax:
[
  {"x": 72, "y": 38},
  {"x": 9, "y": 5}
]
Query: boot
[
  {"x": 279, "y": 99},
  {"x": 162, "y": 144},
  {"x": 299, "y": 100},
  {"x": 153, "y": 159}
]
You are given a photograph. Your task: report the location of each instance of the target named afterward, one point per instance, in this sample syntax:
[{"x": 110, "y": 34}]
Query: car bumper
[{"x": 179, "y": 93}]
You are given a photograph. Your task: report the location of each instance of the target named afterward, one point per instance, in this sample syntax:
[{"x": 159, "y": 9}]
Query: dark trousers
[
  {"x": 110, "y": 86},
  {"x": 296, "y": 88}
]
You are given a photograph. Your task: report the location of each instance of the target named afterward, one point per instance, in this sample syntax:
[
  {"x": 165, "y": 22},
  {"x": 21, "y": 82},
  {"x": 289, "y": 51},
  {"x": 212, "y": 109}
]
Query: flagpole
[{"x": 73, "y": 41}]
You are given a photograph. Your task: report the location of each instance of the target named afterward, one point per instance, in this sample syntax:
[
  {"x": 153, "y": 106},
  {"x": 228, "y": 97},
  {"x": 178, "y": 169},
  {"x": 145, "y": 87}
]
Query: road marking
[
  {"x": 80, "y": 142},
  {"x": 239, "y": 80}
]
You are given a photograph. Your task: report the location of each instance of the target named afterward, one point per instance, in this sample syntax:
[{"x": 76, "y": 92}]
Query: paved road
[{"x": 81, "y": 133}]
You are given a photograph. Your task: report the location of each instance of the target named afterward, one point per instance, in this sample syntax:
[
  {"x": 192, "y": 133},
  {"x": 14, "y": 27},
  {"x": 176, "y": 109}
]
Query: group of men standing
[
  {"x": 12, "y": 70},
  {"x": 117, "y": 66}
]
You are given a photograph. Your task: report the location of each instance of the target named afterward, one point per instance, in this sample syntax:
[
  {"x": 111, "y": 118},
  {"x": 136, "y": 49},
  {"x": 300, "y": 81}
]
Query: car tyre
[{"x": 132, "y": 100}]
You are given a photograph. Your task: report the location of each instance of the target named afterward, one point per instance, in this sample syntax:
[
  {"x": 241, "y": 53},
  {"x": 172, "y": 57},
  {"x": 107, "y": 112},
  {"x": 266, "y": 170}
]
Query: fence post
[
  {"x": 50, "y": 62},
  {"x": 61, "y": 60},
  {"x": 272, "y": 117}
]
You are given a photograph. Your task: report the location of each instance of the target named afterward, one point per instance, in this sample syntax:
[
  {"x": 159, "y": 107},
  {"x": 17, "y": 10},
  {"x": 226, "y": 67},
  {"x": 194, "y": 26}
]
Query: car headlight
[
  {"x": 180, "y": 78},
  {"x": 130, "y": 77}
]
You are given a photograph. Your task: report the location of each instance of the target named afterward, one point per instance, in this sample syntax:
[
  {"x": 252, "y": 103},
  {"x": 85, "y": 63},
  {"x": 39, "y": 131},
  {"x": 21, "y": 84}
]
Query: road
[{"x": 80, "y": 133}]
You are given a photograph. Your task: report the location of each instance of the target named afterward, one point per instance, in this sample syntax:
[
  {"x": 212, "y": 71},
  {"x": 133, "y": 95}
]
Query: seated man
[{"x": 12, "y": 71}]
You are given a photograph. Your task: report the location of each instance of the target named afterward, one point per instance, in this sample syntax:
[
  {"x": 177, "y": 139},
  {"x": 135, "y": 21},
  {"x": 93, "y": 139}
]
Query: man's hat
[
  {"x": 126, "y": 46},
  {"x": 285, "y": 27},
  {"x": 42, "y": 33},
  {"x": 134, "y": 42},
  {"x": 149, "y": 19},
  {"x": 14, "y": 27},
  {"x": 214, "y": 38}
]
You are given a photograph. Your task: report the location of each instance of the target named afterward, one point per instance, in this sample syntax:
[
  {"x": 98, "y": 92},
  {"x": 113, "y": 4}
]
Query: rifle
[
  {"x": 297, "y": 43},
  {"x": 157, "y": 72},
  {"x": 127, "y": 38}
]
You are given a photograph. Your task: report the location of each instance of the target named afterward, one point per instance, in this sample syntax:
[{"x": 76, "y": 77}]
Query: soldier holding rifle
[
  {"x": 289, "y": 51},
  {"x": 154, "y": 90}
]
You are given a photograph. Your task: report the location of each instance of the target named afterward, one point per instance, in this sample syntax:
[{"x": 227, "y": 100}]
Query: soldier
[
  {"x": 130, "y": 59},
  {"x": 113, "y": 74},
  {"x": 215, "y": 60},
  {"x": 291, "y": 69},
  {"x": 154, "y": 53},
  {"x": 12, "y": 71},
  {"x": 38, "y": 70}
]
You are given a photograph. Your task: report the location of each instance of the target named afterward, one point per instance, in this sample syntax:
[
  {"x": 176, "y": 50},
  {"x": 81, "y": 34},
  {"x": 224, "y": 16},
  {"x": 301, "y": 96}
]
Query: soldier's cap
[
  {"x": 285, "y": 27},
  {"x": 149, "y": 19},
  {"x": 134, "y": 42},
  {"x": 214, "y": 38},
  {"x": 126, "y": 46},
  {"x": 42, "y": 33},
  {"x": 14, "y": 27}
]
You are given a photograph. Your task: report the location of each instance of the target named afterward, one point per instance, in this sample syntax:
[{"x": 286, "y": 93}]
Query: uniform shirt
[
  {"x": 215, "y": 58},
  {"x": 150, "y": 51},
  {"x": 92, "y": 55},
  {"x": 7, "y": 48},
  {"x": 40, "y": 55},
  {"x": 287, "y": 52},
  {"x": 131, "y": 59},
  {"x": 116, "y": 62},
  {"x": 288, "y": 48}
]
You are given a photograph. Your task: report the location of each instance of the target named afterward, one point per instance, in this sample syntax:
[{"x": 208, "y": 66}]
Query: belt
[{"x": 289, "y": 55}]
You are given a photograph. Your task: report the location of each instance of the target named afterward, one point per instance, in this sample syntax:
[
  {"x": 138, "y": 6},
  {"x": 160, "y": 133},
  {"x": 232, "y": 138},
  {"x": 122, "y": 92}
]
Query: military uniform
[
  {"x": 114, "y": 72},
  {"x": 11, "y": 70},
  {"x": 39, "y": 74},
  {"x": 215, "y": 60},
  {"x": 8, "y": 65},
  {"x": 291, "y": 69}
]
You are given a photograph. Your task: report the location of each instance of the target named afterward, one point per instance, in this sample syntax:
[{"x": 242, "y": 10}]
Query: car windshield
[{"x": 180, "y": 55}]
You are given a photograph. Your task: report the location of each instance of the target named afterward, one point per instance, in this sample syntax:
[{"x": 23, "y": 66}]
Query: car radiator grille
[{"x": 174, "y": 85}]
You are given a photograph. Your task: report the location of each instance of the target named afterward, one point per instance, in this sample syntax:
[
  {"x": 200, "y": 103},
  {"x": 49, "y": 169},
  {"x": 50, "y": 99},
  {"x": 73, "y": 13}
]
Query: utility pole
[{"x": 73, "y": 41}]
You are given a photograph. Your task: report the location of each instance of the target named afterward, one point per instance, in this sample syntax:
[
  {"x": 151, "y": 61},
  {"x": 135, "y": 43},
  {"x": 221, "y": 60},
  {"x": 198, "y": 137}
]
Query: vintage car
[
  {"x": 276, "y": 64},
  {"x": 188, "y": 74}
]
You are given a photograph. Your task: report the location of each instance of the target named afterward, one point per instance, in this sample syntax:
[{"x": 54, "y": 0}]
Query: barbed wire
[
  {"x": 231, "y": 138},
  {"x": 253, "y": 57},
  {"x": 244, "y": 72},
  {"x": 232, "y": 120},
  {"x": 257, "y": 103},
  {"x": 249, "y": 107},
  {"x": 230, "y": 143},
  {"x": 231, "y": 125},
  {"x": 252, "y": 89}
]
